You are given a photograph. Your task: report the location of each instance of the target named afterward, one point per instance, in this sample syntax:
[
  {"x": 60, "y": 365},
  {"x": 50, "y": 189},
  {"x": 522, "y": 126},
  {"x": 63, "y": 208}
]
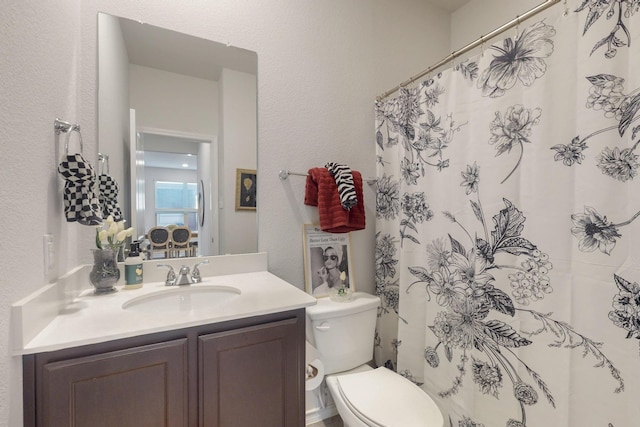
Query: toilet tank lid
[{"x": 327, "y": 309}]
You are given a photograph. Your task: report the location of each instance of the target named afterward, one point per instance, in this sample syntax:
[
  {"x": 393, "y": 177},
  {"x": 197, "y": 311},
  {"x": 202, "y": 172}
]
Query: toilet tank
[{"x": 343, "y": 332}]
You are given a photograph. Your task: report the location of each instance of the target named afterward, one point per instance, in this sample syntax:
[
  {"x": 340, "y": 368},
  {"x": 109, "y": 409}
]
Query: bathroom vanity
[
  {"x": 229, "y": 374},
  {"x": 239, "y": 364}
]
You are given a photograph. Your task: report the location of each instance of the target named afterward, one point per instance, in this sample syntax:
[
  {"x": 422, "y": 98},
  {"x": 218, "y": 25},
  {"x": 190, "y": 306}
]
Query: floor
[{"x": 329, "y": 422}]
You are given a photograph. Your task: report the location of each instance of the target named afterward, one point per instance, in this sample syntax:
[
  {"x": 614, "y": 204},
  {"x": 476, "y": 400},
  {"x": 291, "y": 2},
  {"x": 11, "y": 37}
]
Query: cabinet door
[
  {"x": 252, "y": 376},
  {"x": 137, "y": 387}
]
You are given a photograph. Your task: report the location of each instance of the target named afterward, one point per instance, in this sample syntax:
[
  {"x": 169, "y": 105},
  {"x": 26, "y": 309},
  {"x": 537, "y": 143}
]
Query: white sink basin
[{"x": 183, "y": 299}]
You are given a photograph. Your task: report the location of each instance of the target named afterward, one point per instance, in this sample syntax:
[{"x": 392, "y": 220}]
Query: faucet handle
[
  {"x": 195, "y": 274},
  {"x": 171, "y": 275}
]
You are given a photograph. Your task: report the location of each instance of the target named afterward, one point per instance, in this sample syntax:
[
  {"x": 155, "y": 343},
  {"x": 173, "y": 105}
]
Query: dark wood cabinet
[
  {"x": 141, "y": 386},
  {"x": 245, "y": 375},
  {"x": 247, "y": 372}
]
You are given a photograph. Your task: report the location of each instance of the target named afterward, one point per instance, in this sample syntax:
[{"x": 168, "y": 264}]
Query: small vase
[
  {"x": 105, "y": 273},
  {"x": 341, "y": 294}
]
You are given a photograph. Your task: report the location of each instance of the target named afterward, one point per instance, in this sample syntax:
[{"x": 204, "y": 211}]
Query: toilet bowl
[{"x": 343, "y": 334}]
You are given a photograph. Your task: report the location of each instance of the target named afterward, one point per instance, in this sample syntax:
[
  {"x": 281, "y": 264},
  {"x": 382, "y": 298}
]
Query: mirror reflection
[{"x": 177, "y": 118}]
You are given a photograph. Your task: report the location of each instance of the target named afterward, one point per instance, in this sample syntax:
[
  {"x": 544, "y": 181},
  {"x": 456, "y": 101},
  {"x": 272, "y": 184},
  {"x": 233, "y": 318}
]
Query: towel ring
[{"x": 66, "y": 142}]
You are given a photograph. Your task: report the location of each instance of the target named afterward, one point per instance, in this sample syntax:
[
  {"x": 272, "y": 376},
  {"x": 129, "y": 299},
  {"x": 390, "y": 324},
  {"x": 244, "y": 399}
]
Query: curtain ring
[
  {"x": 517, "y": 26},
  {"x": 74, "y": 128}
]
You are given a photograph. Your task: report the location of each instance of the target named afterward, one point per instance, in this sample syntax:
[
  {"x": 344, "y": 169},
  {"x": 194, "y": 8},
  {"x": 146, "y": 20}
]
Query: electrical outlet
[{"x": 49, "y": 253}]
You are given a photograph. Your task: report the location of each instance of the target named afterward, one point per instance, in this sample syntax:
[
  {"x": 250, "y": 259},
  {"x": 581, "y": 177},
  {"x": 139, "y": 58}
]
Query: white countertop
[{"x": 90, "y": 318}]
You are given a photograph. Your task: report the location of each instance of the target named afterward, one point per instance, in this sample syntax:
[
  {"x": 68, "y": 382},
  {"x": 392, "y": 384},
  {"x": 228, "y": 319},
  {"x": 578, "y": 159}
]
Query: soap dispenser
[{"x": 133, "y": 267}]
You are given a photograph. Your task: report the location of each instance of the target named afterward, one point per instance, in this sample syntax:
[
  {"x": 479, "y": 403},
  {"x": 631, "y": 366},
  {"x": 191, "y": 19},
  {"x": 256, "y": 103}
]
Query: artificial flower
[{"x": 111, "y": 234}]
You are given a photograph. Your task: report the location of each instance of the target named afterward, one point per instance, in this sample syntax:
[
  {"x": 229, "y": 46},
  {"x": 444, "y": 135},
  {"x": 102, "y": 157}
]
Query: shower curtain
[{"x": 507, "y": 256}]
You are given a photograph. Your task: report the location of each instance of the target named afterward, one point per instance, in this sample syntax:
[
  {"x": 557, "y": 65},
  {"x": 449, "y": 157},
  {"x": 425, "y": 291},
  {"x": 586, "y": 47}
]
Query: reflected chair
[
  {"x": 180, "y": 241},
  {"x": 159, "y": 242}
]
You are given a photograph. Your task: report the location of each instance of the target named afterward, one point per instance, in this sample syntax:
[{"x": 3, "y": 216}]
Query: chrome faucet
[
  {"x": 183, "y": 276},
  {"x": 171, "y": 275},
  {"x": 195, "y": 274}
]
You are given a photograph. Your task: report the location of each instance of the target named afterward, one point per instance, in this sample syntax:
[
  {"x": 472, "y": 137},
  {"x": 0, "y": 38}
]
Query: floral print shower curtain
[{"x": 507, "y": 256}]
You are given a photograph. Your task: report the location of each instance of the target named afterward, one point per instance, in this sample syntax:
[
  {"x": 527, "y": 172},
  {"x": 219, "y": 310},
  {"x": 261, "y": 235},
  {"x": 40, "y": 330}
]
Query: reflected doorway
[{"x": 176, "y": 177}]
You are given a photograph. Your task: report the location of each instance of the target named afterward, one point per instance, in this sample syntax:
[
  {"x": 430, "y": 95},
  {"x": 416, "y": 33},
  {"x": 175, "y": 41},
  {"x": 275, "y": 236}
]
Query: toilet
[{"x": 343, "y": 334}]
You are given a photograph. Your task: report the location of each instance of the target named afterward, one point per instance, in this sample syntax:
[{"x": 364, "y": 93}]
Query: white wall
[
  {"x": 40, "y": 81},
  {"x": 113, "y": 93},
  {"x": 320, "y": 66},
  {"x": 238, "y": 136},
  {"x": 409, "y": 36},
  {"x": 165, "y": 100},
  {"x": 479, "y": 17}
]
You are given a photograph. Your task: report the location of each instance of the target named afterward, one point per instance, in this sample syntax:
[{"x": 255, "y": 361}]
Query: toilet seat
[{"x": 382, "y": 398}]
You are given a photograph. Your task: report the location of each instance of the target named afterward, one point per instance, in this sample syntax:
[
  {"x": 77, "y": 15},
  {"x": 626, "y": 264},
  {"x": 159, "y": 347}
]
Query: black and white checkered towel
[
  {"x": 344, "y": 180},
  {"x": 80, "y": 201},
  {"x": 108, "y": 197}
]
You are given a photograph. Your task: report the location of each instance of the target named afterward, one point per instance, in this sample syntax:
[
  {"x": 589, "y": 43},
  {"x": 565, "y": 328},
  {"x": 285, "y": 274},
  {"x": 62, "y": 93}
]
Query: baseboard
[{"x": 319, "y": 414}]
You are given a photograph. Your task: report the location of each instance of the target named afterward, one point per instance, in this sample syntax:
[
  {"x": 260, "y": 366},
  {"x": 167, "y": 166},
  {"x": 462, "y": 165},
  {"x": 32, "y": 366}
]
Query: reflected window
[{"x": 176, "y": 204}]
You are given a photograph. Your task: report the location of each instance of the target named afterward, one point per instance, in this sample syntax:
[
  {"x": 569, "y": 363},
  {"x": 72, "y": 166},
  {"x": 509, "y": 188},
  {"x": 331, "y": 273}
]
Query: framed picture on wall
[
  {"x": 327, "y": 260},
  {"x": 246, "y": 189}
]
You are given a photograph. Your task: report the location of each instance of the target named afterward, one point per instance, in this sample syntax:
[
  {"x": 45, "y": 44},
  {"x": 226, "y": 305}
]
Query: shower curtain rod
[{"x": 474, "y": 44}]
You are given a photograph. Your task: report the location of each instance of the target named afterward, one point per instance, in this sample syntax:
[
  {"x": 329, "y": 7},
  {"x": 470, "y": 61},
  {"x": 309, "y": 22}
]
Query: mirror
[{"x": 177, "y": 117}]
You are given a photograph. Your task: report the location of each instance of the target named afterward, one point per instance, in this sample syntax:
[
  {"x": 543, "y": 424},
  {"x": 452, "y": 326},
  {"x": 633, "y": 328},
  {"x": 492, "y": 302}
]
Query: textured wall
[
  {"x": 39, "y": 69},
  {"x": 320, "y": 65},
  {"x": 479, "y": 17}
]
